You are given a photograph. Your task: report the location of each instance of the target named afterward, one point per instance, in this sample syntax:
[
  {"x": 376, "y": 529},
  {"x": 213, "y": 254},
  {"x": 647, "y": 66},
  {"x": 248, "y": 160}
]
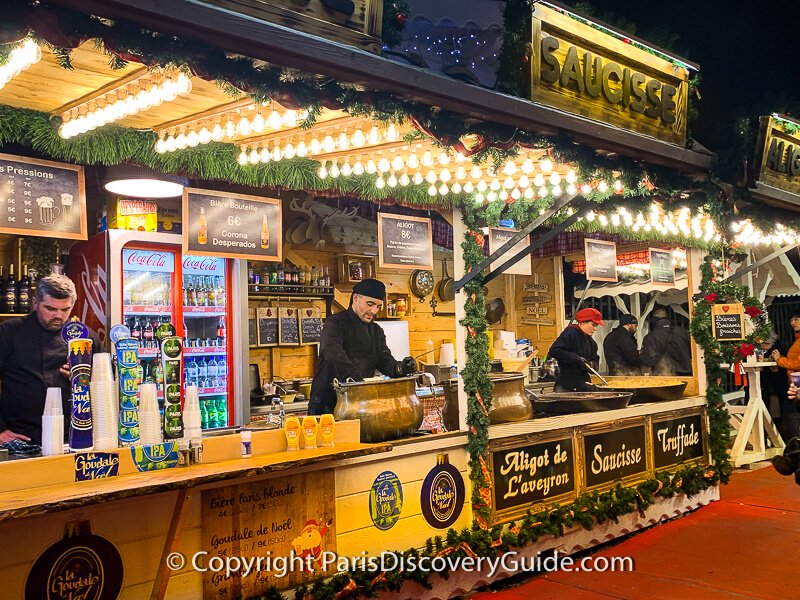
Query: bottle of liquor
[
  {"x": 250, "y": 273},
  {"x": 281, "y": 277},
  {"x": 264, "y": 233},
  {"x": 308, "y": 279},
  {"x": 10, "y": 292},
  {"x": 221, "y": 329},
  {"x": 23, "y": 293},
  {"x": 314, "y": 279},
  {"x": 202, "y": 228},
  {"x": 148, "y": 335},
  {"x": 273, "y": 275},
  {"x": 303, "y": 282}
]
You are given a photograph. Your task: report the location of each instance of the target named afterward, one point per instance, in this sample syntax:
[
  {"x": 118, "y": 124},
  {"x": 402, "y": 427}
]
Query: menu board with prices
[
  {"x": 727, "y": 322},
  {"x": 662, "y": 267},
  {"x": 601, "y": 260},
  {"x": 232, "y": 225},
  {"x": 499, "y": 236},
  {"x": 310, "y": 325},
  {"x": 42, "y": 198},
  {"x": 404, "y": 242},
  {"x": 267, "y": 326},
  {"x": 288, "y": 326}
]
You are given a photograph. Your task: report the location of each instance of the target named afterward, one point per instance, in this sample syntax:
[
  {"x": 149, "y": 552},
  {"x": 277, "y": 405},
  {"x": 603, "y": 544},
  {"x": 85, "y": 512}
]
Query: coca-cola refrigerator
[{"x": 143, "y": 280}]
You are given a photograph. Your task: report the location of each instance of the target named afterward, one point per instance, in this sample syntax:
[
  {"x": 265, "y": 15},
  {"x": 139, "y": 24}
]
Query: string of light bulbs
[{"x": 19, "y": 59}]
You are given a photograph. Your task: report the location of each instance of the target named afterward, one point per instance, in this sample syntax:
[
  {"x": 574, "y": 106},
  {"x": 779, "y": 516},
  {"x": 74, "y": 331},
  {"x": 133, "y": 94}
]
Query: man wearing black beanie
[{"x": 354, "y": 346}]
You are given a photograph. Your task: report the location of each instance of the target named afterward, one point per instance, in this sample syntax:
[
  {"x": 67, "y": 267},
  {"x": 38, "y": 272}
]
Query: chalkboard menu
[
  {"x": 601, "y": 260},
  {"x": 727, "y": 322},
  {"x": 252, "y": 328},
  {"x": 614, "y": 454},
  {"x": 677, "y": 440},
  {"x": 267, "y": 326},
  {"x": 42, "y": 198},
  {"x": 231, "y": 225},
  {"x": 662, "y": 267},
  {"x": 310, "y": 325},
  {"x": 526, "y": 474},
  {"x": 499, "y": 236},
  {"x": 404, "y": 242},
  {"x": 288, "y": 326}
]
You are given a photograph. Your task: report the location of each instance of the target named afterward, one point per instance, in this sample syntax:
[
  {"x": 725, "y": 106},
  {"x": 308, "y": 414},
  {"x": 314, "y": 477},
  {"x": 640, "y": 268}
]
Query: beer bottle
[
  {"x": 10, "y": 292},
  {"x": 24, "y": 293},
  {"x": 264, "y": 233},
  {"x": 200, "y": 292},
  {"x": 202, "y": 228},
  {"x": 211, "y": 291}
]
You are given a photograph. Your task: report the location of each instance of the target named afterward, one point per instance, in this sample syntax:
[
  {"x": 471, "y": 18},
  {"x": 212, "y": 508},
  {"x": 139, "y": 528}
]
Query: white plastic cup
[
  {"x": 148, "y": 397},
  {"x": 101, "y": 367},
  {"x": 52, "y": 403},
  {"x": 447, "y": 355}
]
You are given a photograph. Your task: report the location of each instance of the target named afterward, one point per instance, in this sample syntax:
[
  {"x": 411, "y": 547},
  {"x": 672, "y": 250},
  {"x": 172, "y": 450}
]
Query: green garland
[{"x": 716, "y": 353}]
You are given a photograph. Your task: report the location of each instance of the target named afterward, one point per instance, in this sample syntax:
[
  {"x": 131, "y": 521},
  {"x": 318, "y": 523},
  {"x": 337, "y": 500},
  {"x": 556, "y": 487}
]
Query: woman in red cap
[{"x": 574, "y": 349}]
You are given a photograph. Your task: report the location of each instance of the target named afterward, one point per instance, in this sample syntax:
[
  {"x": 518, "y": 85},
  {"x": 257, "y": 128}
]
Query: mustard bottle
[
  {"x": 327, "y": 424},
  {"x": 292, "y": 431},
  {"x": 310, "y": 432}
]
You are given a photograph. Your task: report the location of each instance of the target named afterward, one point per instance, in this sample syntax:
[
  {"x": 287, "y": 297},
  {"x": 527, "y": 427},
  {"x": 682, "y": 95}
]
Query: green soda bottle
[
  {"x": 222, "y": 412},
  {"x": 203, "y": 415},
  {"x": 212, "y": 414}
]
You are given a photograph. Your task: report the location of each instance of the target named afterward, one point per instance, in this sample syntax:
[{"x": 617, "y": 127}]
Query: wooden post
[
  {"x": 459, "y": 270},
  {"x": 694, "y": 258},
  {"x": 171, "y": 543}
]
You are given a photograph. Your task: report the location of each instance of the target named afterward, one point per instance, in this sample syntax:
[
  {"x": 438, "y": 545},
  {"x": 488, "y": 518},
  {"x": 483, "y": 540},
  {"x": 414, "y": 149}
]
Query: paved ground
[{"x": 747, "y": 545}]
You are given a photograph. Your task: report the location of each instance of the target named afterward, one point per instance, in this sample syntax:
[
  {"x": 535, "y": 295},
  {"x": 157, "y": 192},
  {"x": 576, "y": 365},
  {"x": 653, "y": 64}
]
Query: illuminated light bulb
[
  {"x": 258, "y": 124},
  {"x": 491, "y": 196},
  {"x": 456, "y": 187},
  {"x": 557, "y": 191},
  {"x": 445, "y": 175},
  {"x": 392, "y": 181},
  {"x": 170, "y": 144},
  {"x": 602, "y": 187},
  {"x": 615, "y": 221},
  {"x": 427, "y": 159},
  {"x": 347, "y": 169},
  {"x": 380, "y": 183},
  {"x": 413, "y": 161},
  {"x": 571, "y": 177},
  {"x": 523, "y": 181},
  {"x": 323, "y": 172},
  {"x": 359, "y": 139},
  {"x": 475, "y": 172},
  {"x": 274, "y": 120},
  {"x": 383, "y": 165},
  {"x": 510, "y": 168},
  {"x": 204, "y": 136},
  {"x": 253, "y": 157},
  {"x": 554, "y": 178},
  {"x": 276, "y": 153},
  {"x": 343, "y": 142},
  {"x": 546, "y": 165},
  {"x": 217, "y": 133},
  {"x": 443, "y": 189},
  {"x": 527, "y": 166},
  {"x": 479, "y": 198},
  {"x": 736, "y": 227},
  {"x": 391, "y": 133},
  {"x": 508, "y": 183},
  {"x": 161, "y": 145},
  {"x": 590, "y": 216},
  {"x": 482, "y": 186},
  {"x": 647, "y": 227},
  {"x": 230, "y": 129},
  {"x": 603, "y": 220},
  {"x": 432, "y": 190},
  {"x": 397, "y": 163},
  {"x": 503, "y": 195},
  {"x": 192, "y": 139},
  {"x": 371, "y": 168},
  {"x": 243, "y": 158},
  {"x": 374, "y": 136},
  {"x": 243, "y": 127},
  {"x": 572, "y": 189},
  {"x": 461, "y": 173},
  {"x": 180, "y": 141},
  {"x": 328, "y": 145},
  {"x": 618, "y": 186},
  {"x": 184, "y": 84},
  {"x": 302, "y": 149},
  {"x": 265, "y": 155},
  {"x": 516, "y": 194},
  {"x": 418, "y": 178},
  {"x": 494, "y": 185},
  {"x": 431, "y": 177},
  {"x": 289, "y": 118},
  {"x": 358, "y": 168},
  {"x": 538, "y": 180},
  {"x": 334, "y": 170},
  {"x": 289, "y": 151},
  {"x": 314, "y": 146},
  {"x": 404, "y": 179},
  {"x": 468, "y": 187},
  {"x": 586, "y": 189},
  {"x": 460, "y": 158},
  {"x": 542, "y": 192},
  {"x": 444, "y": 158}
]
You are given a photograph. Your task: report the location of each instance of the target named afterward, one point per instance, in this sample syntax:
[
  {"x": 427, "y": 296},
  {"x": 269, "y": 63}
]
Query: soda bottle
[
  {"x": 203, "y": 415},
  {"x": 222, "y": 412},
  {"x": 211, "y": 293},
  {"x": 147, "y": 334},
  {"x": 213, "y": 421},
  {"x": 222, "y": 371},
  {"x": 191, "y": 379},
  {"x": 220, "y": 291},
  {"x": 185, "y": 291},
  {"x": 202, "y": 298},
  {"x": 221, "y": 329},
  {"x": 212, "y": 372},
  {"x": 192, "y": 294},
  {"x": 136, "y": 331},
  {"x": 202, "y": 370}
]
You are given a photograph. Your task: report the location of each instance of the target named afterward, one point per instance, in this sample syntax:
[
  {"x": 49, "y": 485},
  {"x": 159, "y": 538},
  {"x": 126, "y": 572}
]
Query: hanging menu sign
[
  {"x": 231, "y": 225},
  {"x": 404, "y": 242},
  {"x": 727, "y": 322},
  {"x": 526, "y": 474},
  {"x": 678, "y": 440},
  {"x": 288, "y": 326},
  {"x": 601, "y": 260},
  {"x": 662, "y": 267},
  {"x": 614, "y": 454},
  {"x": 499, "y": 236},
  {"x": 42, "y": 198},
  {"x": 310, "y": 325}
]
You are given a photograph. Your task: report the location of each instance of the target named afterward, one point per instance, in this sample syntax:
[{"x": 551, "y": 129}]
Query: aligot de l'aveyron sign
[
  {"x": 583, "y": 70},
  {"x": 778, "y": 153}
]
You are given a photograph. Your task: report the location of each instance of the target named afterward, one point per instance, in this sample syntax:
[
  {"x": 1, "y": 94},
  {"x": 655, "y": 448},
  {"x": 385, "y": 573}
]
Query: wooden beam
[
  {"x": 109, "y": 87},
  {"x": 285, "y": 46},
  {"x": 171, "y": 543}
]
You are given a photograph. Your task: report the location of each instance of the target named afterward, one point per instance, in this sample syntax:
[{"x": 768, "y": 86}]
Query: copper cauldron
[
  {"x": 509, "y": 401},
  {"x": 388, "y": 409}
]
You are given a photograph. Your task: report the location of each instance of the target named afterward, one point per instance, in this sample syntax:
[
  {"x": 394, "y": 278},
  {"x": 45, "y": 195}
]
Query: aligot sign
[{"x": 586, "y": 71}]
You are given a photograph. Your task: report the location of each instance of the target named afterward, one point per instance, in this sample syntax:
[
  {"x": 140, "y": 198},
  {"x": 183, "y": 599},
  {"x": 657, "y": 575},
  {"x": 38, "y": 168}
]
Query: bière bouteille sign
[{"x": 231, "y": 225}]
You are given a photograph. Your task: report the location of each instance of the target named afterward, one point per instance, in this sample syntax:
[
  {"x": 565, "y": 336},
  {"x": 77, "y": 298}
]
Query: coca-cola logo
[
  {"x": 148, "y": 259},
  {"x": 200, "y": 264}
]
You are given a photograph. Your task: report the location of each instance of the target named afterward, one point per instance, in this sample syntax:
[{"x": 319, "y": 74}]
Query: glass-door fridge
[{"x": 143, "y": 280}]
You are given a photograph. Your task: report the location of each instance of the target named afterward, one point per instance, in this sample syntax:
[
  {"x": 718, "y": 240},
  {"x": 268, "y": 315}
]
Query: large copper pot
[
  {"x": 388, "y": 409},
  {"x": 509, "y": 401}
]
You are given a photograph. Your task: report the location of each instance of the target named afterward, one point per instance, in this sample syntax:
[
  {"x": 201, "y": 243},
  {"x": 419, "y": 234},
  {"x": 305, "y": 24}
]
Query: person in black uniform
[
  {"x": 620, "y": 348},
  {"x": 667, "y": 348},
  {"x": 33, "y": 358},
  {"x": 574, "y": 349},
  {"x": 353, "y": 346}
]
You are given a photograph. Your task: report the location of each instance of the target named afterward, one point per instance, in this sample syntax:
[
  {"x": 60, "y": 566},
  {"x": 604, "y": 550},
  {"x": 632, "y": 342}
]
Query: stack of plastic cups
[
  {"x": 105, "y": 415},
  {"x": 191, "y": 414},
  {"x": 149, "y": 416},
  {"x": 53, "y": 423}
]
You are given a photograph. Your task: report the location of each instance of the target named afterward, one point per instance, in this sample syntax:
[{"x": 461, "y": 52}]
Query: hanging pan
[
  {"x": 495, "y": 311},
  {"x": 445, "y": 288}
]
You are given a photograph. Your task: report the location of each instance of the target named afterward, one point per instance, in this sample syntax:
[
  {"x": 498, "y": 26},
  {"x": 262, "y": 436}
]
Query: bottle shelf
[
  {"x": 205, "y": 350},
  {"x": 204, "y": 311},
  {"x": 212, "y": 391},
  {"x": 146, "y": 309},
  {"x": 11, "y": 315},
  {"x": 273, "y": 291}
]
